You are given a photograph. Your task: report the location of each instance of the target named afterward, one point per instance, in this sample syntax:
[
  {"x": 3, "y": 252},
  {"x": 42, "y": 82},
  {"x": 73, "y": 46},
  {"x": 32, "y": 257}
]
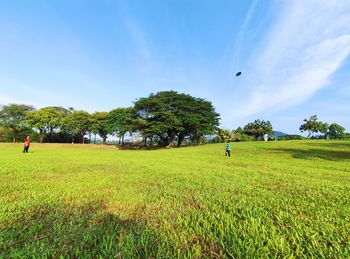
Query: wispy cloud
[
  {"x": 140, "y": 39},
  {"x": 241, "y": 33},
  {"x": 307, "y": 43}
]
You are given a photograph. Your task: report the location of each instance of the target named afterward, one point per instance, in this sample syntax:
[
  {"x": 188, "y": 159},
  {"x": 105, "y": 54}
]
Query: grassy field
[{"x": 269, "y": 199}]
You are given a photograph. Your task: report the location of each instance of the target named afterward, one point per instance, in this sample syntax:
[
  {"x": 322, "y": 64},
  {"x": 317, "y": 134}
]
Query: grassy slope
[{"x": 275, "y": 198}]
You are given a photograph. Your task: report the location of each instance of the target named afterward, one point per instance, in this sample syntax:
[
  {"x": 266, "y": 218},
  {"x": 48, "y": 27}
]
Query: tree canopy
[
  {"x": 12, "y": 119},
  {"x": 78, "y": 122},
  {"x": 46, "y": 120},
  {"x": 170, "y": 115},
  {"x": 258, "y": 128},
  {"x": 313, "y": 125},
  {"x": 336, "y": 131},
  {"x": 121, "y": 122},
  {"x": 101, "y": 124}
]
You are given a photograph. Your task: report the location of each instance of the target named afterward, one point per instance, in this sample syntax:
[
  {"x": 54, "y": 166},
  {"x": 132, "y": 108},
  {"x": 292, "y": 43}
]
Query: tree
[
  {"x": 121, "y": 122},
  {"x": 68, "y": 128},
  {"x": 198, "y": 118},
  {"x": 323, "y": 127},
  {"x": 239, "y": 130},
  {"x": 336, "y": 131},
  {"x": 77, "y": 122},
  {"x": 258, "y": 128},
  {"x": 168, "y": 115},
  {"x": 101, "y": 124},
  {"x": 313, "y": 125},
  {"x": 225, "y": 134},
  {"x": 13, "y": 119},
  {"x": 46, "y": 120}
]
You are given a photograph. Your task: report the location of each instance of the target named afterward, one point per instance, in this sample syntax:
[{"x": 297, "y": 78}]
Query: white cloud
[{"x": 307, "y": 43}]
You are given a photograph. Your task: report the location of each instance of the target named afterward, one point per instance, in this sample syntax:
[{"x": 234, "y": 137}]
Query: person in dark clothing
[{"x": 26, "y": 145}]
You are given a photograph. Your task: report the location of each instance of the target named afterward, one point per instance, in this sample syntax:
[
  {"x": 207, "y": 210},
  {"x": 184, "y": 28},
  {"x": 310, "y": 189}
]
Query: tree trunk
[
  {"x": 163, "y": 141},
  {"x": 170, "y": 141},
  {"x": 41, "y": 138},
  {"x": 180, "y": 139},
  {"x": 146, "y": 142},
  {"x": 104, "y": 138},
  {"x": 123, "y": 140},
  {"x": 14, "y": 140}
]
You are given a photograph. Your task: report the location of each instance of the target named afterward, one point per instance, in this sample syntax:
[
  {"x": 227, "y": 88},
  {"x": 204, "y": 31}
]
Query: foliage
[
  {"x": 225, "y": 134},
  {"x": 121, "y": 122},
  {"x": 168, "y": 115},
  {"x": 235, "y": 136},
  {"x": 336, "y": 131},
  {"x": 346, "y": 135},
  {"x": 12, "y": 120},
  {"x": 101, "y": 124},
  {"x": 286, "y": 200},
  {"x": 239, "y": 130},
  {"x": 313, "y": 125},
  {"x": 238, "y": 137},
  {"x": 291, "y": 137},
  {"x": 78, "y": 122},
  {"x": 258, "y": 128},
  {"x": 46, "y": 120}
]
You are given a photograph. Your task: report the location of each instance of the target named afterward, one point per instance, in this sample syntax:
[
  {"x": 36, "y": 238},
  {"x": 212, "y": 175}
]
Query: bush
[{"x": 291, "y": 137}]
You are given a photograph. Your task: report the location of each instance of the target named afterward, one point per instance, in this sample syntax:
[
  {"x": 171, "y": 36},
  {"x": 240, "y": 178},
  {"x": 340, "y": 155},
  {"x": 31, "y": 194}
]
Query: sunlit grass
[{"x": 269, "y": 199}]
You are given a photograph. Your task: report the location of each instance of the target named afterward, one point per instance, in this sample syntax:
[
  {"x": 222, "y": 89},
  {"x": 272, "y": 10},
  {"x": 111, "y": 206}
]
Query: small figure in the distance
[
  {"x": 228, "y": 149},
  {"x": 26, "y": 145}
]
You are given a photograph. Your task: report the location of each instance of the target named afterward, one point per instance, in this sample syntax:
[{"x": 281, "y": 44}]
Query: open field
[{"x": 269, "y": 199}]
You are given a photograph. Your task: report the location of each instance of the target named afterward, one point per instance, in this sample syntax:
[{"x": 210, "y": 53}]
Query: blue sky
[{"x": 99, "y": 55}]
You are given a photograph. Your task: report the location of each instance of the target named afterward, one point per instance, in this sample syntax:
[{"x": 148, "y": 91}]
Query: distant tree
[
  {"x": 69, "y": 128},
  {"x": 4, "y": 135},
  {"x": 346, "y": 135},
  {"x": 77, "y": 122},
  {"x": 47, "y": 120},
  {"x": 313, "y": 125},
  {"x": 336, "y": 131},
  {"x": 291, "y": 137},
  {"x": 323, "y": 128},
  {"x": 239, "y": 130},
  {"x": 13, "y": 119},
  {"x": 101, "y": 124},
  {"x": 121, "y": 122},
  {"x": 258, "y": 128},
  {"x": 168, "y": 115},
  {"x": 225, "y": 134}
]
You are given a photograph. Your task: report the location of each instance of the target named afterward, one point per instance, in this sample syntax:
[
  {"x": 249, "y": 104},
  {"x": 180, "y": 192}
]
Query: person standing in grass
[
  {"x": 26, "y": 145},
  {"x": 228, "y": 149}
]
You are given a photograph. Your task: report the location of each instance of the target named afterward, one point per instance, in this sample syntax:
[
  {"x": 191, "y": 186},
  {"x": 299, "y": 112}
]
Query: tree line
[
  {"x": 315, "y": 128},
  {"x": 165, "y": 118}
]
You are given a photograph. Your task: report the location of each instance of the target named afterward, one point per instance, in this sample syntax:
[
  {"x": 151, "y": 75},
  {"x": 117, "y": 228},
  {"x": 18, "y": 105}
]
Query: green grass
[{"x": 269, "y": 199}]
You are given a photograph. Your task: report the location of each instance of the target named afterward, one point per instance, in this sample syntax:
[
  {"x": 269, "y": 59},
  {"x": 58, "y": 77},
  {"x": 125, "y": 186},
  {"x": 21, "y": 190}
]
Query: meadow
[{"x": 281, "y": 199}]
